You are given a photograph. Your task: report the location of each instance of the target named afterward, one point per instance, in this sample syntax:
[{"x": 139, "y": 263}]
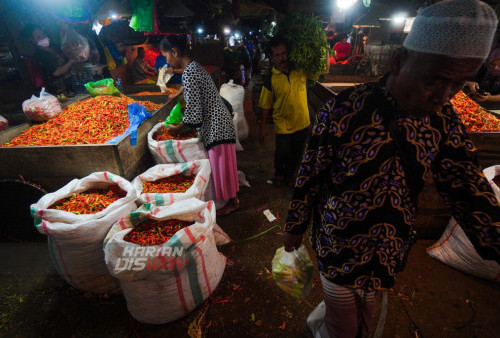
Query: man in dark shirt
[{"x": 373, "y": 146}]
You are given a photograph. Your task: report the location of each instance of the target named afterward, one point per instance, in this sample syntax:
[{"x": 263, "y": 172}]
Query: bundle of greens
[{"x": 307, "y": 43}]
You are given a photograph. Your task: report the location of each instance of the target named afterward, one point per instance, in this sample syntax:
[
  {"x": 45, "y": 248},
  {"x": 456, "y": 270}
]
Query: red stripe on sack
[
  {"x": 437, "y": 245},
  {"x": 176, "y": 169},
  {"x": 200, "y": 215},
  {"x": 180, "y": 151},
  {"x": 44, "y": 226},
  {"x": 179, "y": 289},
  {"x": 222, "y": 234},
  {"x": 204, "y": 268},
  {"x": 40, "y": 213},
  {"x": 171, "y": 198},
  {"x": 146, "y": 197},
  {"x": 61, "y": 259},
  {"x": 209, "y": 205},
  {"x": 122, "y": 224},
  {"x": 106, "y": 176},
  {"x": 204, "y": 179},
  {"x": 158, "y": 146},
  {"x": 195, "y": 166}
]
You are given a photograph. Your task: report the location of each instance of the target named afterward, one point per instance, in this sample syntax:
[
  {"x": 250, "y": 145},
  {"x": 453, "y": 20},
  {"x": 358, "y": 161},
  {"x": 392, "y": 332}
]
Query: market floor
[{"x": 438, "y": 300}]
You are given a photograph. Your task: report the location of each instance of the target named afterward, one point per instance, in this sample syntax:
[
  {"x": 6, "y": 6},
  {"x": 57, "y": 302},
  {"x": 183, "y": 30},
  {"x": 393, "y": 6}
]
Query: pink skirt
[{"x": 224, "y": 171}]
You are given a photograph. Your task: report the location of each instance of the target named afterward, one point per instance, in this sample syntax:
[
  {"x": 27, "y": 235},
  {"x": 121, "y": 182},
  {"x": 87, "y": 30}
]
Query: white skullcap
[{"x": 455, "y": 28}]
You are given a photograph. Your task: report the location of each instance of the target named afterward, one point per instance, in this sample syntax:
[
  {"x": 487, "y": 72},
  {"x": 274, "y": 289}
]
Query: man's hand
[
  {"x": 483, "y": 97},
  {"x": 291, "y": 241},
  {"x": 473, "y": 86}
]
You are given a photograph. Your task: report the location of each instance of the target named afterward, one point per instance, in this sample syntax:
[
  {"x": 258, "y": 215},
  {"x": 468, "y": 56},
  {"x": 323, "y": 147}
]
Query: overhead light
[
  {"x": 399, "y": 18},
  {"x": 200, "y": 30},
  {"x": 273, "y": 23},
  {"x": 227, "y": 31},
  {"x": 250, "y": 32},
  {"x": 345, "y": 4},
  {"x": 114, "y": 16},
  {"x": 237, "y": 35},
  {"x": 113, "y": 7}
]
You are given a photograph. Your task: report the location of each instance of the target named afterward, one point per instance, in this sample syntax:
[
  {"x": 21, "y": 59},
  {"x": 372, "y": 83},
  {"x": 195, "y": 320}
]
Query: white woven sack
[
  {"x": 234, "y": 94},
  {"x": 175, "y": 151},
  {"x": 172, "y": 279},
  {"x": 240, "y": 125},
  {"x": 200, "y": 168},
  {"x": 455, "y": 249},
  {"x": 75, "y": 241}
]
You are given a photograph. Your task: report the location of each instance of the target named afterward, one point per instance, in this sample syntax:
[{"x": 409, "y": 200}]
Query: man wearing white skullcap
[{"x": 371, "y": 149}]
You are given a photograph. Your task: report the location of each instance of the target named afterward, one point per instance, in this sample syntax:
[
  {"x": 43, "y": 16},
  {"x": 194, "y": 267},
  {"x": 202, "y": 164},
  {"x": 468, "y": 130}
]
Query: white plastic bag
[
  {"x": 75, "y": 241},
  {"x": 4, "y": 123},
  {"x": 241, "y": 126},
  {"x": 456, "y": 250},
  {"x": 163, "y": 78},
  {"x": 165, "y": 282},
  {"x": 293, "y": 271},
  {"x": 175, "y": 151},
  {"x": 75, "y": 46},
  {"x": 43, "y": 108},
  {"x": 199, "y": 168}
]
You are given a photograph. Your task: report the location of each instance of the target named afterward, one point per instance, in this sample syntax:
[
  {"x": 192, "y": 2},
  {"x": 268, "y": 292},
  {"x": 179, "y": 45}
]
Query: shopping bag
[
  {"x": 102, "y": 87},
  {"x": 293, "y": 271},
  {"x": 75, "y": 46},
  {"x": 43, "y": 108}
]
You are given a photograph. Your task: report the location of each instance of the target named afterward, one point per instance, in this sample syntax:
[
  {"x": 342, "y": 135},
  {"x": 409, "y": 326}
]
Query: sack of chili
[
  {"x": 165, "y": 184},
  {"x": 76, "y": 219},
  {"x": 43, "y": 108},
  {"x": 166, "y": 258},
  {"x": 455, "y": 249},
  {"x": 75, "y": 46},
  {"x": 175, "y": 151}
]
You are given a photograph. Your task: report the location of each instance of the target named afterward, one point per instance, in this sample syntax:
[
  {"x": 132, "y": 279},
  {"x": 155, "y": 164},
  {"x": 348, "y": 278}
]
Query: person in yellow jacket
[{"x": 285, "y": 93}]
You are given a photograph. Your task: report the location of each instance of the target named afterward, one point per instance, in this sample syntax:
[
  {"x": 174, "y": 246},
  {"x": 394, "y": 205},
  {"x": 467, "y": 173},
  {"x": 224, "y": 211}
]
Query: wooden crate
[{"x": 54, "y": 166}]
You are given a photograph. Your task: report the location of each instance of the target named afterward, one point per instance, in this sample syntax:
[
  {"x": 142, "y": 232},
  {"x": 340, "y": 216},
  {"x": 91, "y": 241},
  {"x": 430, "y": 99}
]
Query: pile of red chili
[
  {"x": 93, "y": 121},
  {"x": 91, "y": 201},
  {"x": 163, "y": 135},
  {"x": 155, "y": 232},
  {"x": 474, "y": 117},
  {"x": 177, "y": 183},
  {"x": 169, "y": 91}
]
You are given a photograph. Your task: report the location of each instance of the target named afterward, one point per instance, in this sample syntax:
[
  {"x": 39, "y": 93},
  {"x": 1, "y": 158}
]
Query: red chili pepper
[
  {"x": 153, "y": 232},
  {"x": 162, "y": 135},
  {"x": 91, "y": 201},
  {"x": 93, "y": 121},
  {"x": 474, "y": 117},
  {"x": 177, "y": 183}
]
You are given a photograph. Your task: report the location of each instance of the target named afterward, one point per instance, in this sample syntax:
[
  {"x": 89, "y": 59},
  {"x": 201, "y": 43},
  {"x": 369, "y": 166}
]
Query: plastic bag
[
  {"x": 43, "y": 108},
  {"x": 137, "y": 114},
  {"x": 102, "y": 87},
  {"x": 4, "y": 123},
  {"x": 293, "y": 271},
  {"x": 175, "y": 116},
  {"x": 163, "y": 78},
  {"x": 75, "y": 46}
]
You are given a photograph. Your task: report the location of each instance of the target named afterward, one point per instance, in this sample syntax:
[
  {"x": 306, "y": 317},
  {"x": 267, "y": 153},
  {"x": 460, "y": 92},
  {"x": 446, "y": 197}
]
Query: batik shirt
[
  {"x": 353, "y": 187},
  {"x": 205, "y": 109}
]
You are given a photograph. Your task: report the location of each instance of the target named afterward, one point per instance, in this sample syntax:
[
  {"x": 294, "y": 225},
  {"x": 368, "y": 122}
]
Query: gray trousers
[{"x": 349, "y": 312}]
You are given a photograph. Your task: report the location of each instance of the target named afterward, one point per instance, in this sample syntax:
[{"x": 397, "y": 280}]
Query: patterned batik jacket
[{"x": 353, "y": 187}]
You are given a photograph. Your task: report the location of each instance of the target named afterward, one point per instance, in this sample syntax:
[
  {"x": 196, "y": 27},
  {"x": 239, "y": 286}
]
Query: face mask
[{"x": 44, "y": 42}]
